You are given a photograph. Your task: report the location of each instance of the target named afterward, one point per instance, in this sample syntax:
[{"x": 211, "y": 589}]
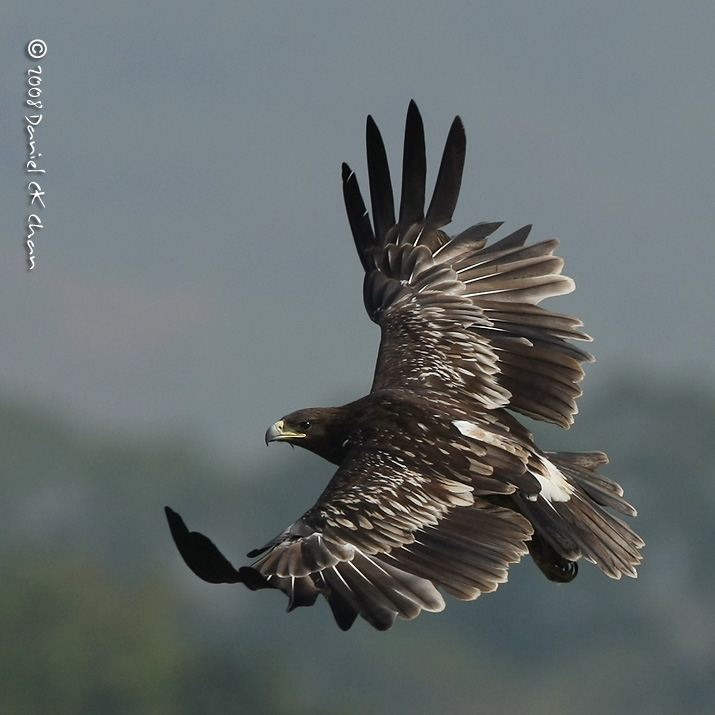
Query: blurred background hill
[{"x": 98, "y": 614}]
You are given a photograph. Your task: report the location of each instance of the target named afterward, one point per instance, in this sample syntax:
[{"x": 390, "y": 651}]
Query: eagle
[{"x": 439, "y": 488}]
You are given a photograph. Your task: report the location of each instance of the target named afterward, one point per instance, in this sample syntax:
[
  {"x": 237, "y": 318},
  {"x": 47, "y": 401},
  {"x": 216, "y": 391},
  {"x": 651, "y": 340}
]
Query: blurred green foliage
[
  {"x": 98, "y": 614},
  {"x": 77, "y": 639}
]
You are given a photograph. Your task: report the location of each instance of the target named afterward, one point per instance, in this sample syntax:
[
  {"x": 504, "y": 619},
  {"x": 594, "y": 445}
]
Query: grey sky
[{"x": 195, "y": 271}]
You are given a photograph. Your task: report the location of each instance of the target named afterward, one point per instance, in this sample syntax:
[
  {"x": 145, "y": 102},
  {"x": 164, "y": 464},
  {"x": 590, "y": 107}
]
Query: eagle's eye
[{"x": 304, "y": 425}]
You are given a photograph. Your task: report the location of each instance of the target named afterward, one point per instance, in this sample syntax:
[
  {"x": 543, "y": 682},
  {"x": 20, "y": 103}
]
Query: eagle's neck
[{"x": 342, "y": 430}]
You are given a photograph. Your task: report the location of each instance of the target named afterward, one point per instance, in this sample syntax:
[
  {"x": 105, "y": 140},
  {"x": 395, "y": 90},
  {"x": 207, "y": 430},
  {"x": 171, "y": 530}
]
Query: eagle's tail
[{"x": 566, "y": 529}]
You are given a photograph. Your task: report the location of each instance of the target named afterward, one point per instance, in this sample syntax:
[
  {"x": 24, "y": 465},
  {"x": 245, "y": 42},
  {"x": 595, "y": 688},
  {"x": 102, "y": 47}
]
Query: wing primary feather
[
  {"x": 378, "y": 168},
  {"x": 449, "y": 178},
  {"x": 200, "y": 554},
  {"x": 414, "y": 171},
  {"x": 358, "y": 217}
]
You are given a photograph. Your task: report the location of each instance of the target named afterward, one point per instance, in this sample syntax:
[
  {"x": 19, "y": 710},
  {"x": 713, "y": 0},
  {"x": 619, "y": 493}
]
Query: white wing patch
[
  {"x": 554, "y": 486},
  {"x": 469, "y": 429}
]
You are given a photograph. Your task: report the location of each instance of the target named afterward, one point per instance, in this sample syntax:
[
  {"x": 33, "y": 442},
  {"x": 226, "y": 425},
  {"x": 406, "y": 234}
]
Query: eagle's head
[{"x": 322, "y": 430}]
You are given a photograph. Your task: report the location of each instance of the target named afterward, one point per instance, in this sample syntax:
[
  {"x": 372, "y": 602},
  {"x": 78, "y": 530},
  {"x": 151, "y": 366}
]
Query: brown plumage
[{"x": 439, "y": 488}]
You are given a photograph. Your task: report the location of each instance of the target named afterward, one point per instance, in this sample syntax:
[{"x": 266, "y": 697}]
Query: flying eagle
[{"x": 439, "y": 488}]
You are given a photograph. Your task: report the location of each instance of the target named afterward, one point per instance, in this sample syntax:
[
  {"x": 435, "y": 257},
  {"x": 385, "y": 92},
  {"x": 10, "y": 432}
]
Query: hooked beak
[{"x": 277, "y": 432}]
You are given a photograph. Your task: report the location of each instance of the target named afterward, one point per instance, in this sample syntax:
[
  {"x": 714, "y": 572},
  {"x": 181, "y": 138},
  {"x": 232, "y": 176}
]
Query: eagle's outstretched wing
[
  {"x": 386, "y": 532},
  {"x": 456, "y": 314},
  {"x": 393, "y": 525}
]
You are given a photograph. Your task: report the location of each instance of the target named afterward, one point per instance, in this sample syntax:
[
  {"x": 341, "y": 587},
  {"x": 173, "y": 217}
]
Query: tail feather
[
  {"x": 580, "y": 526},
  {"x": 580, "y": 469}
]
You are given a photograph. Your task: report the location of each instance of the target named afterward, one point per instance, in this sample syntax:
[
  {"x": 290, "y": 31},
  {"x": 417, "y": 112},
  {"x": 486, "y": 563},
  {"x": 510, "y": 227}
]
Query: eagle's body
[{"x": 438, "y": 484}]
